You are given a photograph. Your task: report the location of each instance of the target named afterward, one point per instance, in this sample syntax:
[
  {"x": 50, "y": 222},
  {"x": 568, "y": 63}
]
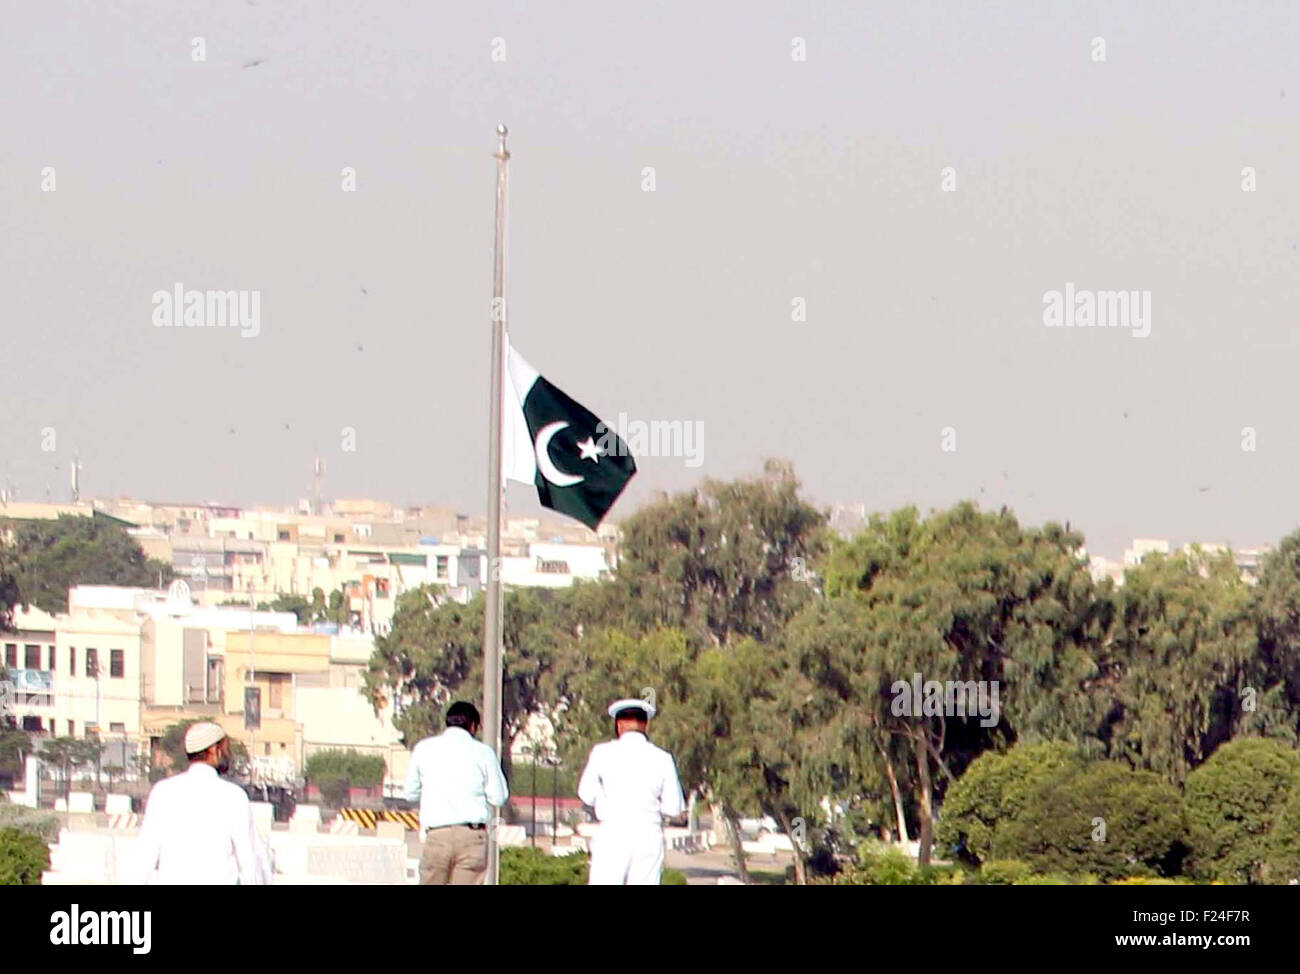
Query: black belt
[{"x": 477, "y": 826}]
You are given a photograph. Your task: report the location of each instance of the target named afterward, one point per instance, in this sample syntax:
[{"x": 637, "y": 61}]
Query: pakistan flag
[{"x": 578, "y": 464}]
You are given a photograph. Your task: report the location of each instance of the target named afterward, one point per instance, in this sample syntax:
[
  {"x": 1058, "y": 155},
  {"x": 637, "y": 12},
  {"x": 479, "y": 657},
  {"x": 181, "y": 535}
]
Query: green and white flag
[{"x": 578, "y": 463}]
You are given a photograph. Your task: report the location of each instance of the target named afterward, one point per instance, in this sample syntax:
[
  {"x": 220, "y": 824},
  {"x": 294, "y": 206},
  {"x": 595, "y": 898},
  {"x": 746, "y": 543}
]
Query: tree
[
  {"x": 966, "y": 599},
  {"x": 1274, "y": 681},
  {"x": 994, "y": 792},
  {"x": 10, "y": 596},
  {"x": 49, "y": 557},
  {"x": 172, "y": 746},
  {"x": 716, "y": 568},
  {"x": 1102, "y": 818},
  {"x": 1282, "y": 861},
  {"x": 339, "y": 611},
  {"x": 297, "y": 604},
  {"x": 1181, "y": 647},
  {"x": 1233, "y": 801},
  {"x": 433, "y": 654},
  {"x": 363, "y": 770},
  {"x": 15, "y": 745},
  {"x": 67, "y": 753},
  {"x": 726, "y": 561}
]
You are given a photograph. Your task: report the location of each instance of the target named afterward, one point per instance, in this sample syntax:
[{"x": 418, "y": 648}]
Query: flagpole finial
[{"x": 502, "y": 131}]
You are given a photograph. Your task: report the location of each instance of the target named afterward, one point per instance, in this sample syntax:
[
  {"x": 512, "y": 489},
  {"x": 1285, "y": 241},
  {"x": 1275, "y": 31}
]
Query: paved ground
[
  {"x": 701, "y": 868},
  {"x": 706, "y": 868}
]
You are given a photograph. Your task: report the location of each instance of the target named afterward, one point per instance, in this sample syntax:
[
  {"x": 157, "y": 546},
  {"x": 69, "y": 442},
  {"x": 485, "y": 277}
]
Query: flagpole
[{"x": 493, "y": 613}]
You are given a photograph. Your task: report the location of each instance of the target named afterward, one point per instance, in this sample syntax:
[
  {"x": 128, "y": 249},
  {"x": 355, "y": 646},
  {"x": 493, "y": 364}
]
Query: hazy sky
[{"x": 775, "y": 179}]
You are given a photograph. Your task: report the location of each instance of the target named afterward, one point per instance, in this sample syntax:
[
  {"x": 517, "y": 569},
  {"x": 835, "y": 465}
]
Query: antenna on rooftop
[{"x": 318, "y": 472}]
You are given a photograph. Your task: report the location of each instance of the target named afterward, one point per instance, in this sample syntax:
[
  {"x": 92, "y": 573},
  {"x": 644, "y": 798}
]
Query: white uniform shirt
[
  {"x": 455, "y": 777},
  {"x": 630, "y": 782},
  {"x": 198, "y": 830}
]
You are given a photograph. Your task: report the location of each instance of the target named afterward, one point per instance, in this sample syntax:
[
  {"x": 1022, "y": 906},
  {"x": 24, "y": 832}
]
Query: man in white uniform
[
  {"x": 632, "y": 785},
  {"x": 198, "y": 829}
]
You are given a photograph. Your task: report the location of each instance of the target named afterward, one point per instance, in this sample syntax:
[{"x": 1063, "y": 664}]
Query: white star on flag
[{"x": 590, "y": 451}]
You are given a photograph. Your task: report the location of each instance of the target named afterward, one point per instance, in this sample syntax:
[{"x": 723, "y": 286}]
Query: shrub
[
  {"x": 533, "y": 867},
  {"x": 1004, "y": 872},
  {"x": 1233, "y": 802},
  {"x": 882, "y": 865},
  {"x": 334, "y": 790},
  {"x": 526, "y": 866},
  {"x": 1283, "y": 862},
  {"x": 994, "y": 791},
  {"x": 1102, "y": 818},
  {"x": 360, "y": 770},
  {"x": 43, "y": 825},
  {"x": 23, "y": 857}
]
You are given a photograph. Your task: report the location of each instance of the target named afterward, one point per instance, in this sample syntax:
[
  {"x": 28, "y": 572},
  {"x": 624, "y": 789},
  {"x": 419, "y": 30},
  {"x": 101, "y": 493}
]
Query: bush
[
  {"x": 882, "y": 865},
  {"x": 43, "y": 825},
  {"x": 1005, "y": 872},
  {"x": 1102, "y": 818},
  {"x": 1283, "y": 862},
  {"x": 359, "y": 770},
  {"x": 564, "y": 783},
  {"x": 525, "y": 866},
  {"x": 23, "y": 857},
  {"x": 994, "y": 791},
  {"x": 1233, "y": 802},
  {"x": 533, "y": 867},
  {"x": 334, "y": 790}
]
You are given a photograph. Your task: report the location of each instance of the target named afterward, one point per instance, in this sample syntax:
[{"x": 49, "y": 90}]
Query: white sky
[{"x": 775, "y": 180}]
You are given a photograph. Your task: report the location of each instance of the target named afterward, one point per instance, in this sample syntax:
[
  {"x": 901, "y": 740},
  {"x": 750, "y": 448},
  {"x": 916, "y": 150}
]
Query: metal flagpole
[{"x": 493, "y": 613}]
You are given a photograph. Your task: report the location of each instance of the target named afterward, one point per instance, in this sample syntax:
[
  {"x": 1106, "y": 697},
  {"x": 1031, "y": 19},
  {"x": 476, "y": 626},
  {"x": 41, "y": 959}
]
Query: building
[
  {"x": 1249, "y": 561},
  {"x": 1142, "y": 547},
  {"x": 124, "y": 664}
]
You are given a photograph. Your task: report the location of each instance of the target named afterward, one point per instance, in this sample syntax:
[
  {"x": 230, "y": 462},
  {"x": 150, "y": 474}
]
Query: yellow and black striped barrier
[{"x": 368, "y": 818}]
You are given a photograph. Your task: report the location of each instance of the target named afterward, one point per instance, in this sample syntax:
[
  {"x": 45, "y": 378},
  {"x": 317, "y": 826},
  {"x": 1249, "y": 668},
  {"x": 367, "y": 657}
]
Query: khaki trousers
[{"x": 454, "y": 855}]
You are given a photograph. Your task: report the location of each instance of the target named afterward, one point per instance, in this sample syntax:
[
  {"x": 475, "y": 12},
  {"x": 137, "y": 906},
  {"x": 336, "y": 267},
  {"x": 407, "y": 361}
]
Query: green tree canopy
[
  {"x": 961, "y": 597},
  {"x": 1180, "y": 650},
  {"x": 306, "y": 611},
  {"x": 726, "y": 561},
  {"x": 1233, "y": 801},
  {"x": 1102, "y": 818},
  {"x": 433, "y": 654},
  {"x": 49, "y": 557},
  {"x": 994, "y": 791},
  {"x": 358, "y": 769}
]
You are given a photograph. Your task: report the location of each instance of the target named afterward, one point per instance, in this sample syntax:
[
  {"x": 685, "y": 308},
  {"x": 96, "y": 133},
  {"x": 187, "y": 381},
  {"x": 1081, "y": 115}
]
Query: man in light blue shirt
[{"x": 457, "y": 780}]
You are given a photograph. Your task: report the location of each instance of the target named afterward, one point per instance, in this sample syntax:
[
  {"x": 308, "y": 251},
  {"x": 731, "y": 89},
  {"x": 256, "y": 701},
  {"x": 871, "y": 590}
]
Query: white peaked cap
[
  {"x": 632, "y": 703},
  {"x": 201, "y": 736}
]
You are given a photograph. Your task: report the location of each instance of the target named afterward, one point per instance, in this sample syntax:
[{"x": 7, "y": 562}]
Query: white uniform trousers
[{"x": 626, "y": 855}]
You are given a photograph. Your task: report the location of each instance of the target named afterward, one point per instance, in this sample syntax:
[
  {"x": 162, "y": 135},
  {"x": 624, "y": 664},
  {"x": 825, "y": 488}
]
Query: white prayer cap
[
  {"x": 632, "y": 703},
  {"x": 201, "y": 736}
]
